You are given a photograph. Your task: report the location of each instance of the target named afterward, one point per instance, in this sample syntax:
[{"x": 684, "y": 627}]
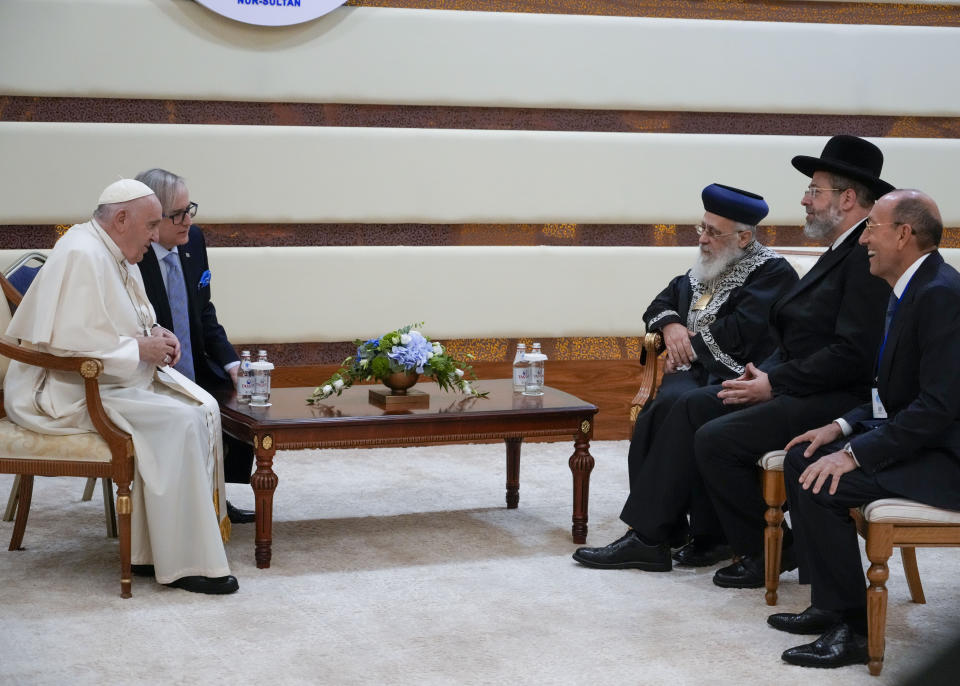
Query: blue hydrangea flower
[{"x": 413, "y": 355}]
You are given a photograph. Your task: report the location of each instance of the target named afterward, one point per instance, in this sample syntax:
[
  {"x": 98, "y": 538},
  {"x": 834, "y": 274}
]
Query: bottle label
[
  {"x": 245, "y": 383},
  {"x": 536, "y": 372},
  {"x": 261, "y": 383},
  {"x": 520, "y": 376}
]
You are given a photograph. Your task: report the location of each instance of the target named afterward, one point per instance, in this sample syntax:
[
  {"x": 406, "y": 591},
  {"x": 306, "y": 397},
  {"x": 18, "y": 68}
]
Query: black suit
[
  {"x": 210, "y": 346},
  {"x": 828, "y": 327},
  {"x": 733, "y": 331},
  {"x": 914, "y": 453}
]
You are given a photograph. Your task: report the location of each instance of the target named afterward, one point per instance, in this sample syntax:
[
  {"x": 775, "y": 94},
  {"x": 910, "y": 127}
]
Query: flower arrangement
[{"x": 403, "y": 350}]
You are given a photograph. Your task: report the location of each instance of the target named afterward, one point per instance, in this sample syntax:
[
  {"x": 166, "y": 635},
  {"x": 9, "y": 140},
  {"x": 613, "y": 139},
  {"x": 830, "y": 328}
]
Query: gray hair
[
  {"x": 165, "y": 184},
  {"x": 105, "y": 213},
  {"x": 740, "y": 226}
]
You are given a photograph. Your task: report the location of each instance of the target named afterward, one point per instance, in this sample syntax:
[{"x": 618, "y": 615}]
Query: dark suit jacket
[
  {"x": 211, "y": 349},
  {"x": 828, "y": 325},
  {"x": 916, "y": 451}
]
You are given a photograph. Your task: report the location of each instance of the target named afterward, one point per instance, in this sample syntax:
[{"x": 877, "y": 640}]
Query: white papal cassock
[{"x": 88, "y": 301}]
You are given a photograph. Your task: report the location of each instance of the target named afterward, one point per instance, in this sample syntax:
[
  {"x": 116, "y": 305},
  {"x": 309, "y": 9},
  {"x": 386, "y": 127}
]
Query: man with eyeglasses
[
  {"x": 828, "y": 327},
  {"x": 903, "y": 443},
  {"x": 713, "y": 319},
  {"x": 176, "y": 275}
]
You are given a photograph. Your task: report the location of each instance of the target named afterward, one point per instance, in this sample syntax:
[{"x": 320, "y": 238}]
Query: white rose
[
  {"x": 437, "y": 349},
  {"x": 338, "y": 384},
  {"x": 327, "y": 390},
  {"x": 364, "y": 363},
  {"x": 429, "y": 355},
  {"x": 466, "y": 387},
  {"x": 405, "y": 338},
  {"x": 459, "y": 373}
]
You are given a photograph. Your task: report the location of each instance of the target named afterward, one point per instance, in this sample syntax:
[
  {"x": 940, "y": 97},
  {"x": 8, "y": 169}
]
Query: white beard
[{"x": 709, "y": 266}]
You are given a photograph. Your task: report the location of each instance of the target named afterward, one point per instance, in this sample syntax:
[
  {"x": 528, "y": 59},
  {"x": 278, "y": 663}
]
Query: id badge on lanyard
[{"x": 879, "y": 411}]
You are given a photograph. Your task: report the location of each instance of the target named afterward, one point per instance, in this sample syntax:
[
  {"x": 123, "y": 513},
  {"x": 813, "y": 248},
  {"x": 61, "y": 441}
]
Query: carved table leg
[
  {"x": 581, "y": 464},
  {"x": 513, "y": 471},
  {"x": 264, "y": 483}
]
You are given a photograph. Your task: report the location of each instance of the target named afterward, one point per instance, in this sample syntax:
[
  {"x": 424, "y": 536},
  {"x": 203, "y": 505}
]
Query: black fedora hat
[{"x": 848, "y": 156}]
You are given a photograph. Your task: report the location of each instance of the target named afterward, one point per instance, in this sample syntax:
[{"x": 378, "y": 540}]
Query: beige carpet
[{"x": 402, "y": 566}]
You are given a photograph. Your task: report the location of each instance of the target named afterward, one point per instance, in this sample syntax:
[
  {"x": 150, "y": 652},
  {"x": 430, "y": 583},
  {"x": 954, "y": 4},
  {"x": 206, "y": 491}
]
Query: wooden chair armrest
[
  {"x": 12, "y": 294},
  {"x": 90, "y": 368},
  {"x": 651, "y": 373}
]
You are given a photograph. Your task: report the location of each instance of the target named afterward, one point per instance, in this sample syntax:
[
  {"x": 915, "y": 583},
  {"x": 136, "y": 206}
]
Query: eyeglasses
[
  {"x": 811, "y": 191},
  {"x": 871, "y": 226},
  {"x": 178, "y": 216},
  {"x": 711, "y": 233}
]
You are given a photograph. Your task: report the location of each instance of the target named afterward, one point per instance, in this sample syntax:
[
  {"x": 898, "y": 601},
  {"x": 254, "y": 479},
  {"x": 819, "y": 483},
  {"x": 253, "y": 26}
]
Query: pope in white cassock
[{"x": 88, "y": 300}]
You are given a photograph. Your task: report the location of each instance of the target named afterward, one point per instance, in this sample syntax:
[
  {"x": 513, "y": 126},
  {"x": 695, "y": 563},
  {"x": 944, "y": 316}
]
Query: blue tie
[
  {"x": 891, "y": 310},
  {"x": 177, "y": 297}
]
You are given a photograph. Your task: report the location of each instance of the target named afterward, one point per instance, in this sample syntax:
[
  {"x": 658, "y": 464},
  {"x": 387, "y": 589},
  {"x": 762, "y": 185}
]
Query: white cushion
[
  {"x": 772, "y": 460},
  {"x": 903, "y": 511},
  {"x": 17, "y": 442}
]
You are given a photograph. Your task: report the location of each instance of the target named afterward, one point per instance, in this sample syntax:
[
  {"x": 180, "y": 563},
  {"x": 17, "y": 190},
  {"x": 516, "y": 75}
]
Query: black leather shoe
[
  {"x": 838, "y": 647},
  {"x": 810, "y": 621},
  {"x": 693, "y": 554},
  {"x": 748, "y": 572},
  {"x": 238, "y": 516},
  {"x": 142, "y": 570},
  {"x": 627, "y": 552},
  {"x": 220, "y": 585}
]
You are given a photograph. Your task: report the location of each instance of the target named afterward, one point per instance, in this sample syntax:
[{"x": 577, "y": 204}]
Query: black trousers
[
  {"x": 237, "y": 460},
  {"x": 664, "y": 484},
  {"x": 825, "y": 536},
  {"x": 730, "y": 439}
]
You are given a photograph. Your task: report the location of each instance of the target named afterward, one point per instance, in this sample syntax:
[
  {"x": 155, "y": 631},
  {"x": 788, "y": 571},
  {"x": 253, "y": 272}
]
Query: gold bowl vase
[{"x": 399, "y": 382}]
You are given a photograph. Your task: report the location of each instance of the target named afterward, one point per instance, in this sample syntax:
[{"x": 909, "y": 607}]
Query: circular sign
[{"x": 272, "y": 12}]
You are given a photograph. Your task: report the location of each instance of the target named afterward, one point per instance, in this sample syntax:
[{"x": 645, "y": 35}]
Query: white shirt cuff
[
  {"x": 236, "y": 363},
  {"x": 848, "y": 449},
  {"x": 844, "y": 426}
]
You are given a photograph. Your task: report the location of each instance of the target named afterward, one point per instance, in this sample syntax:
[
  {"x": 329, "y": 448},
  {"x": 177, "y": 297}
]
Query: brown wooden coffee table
[{"x": 351, "y": 421}]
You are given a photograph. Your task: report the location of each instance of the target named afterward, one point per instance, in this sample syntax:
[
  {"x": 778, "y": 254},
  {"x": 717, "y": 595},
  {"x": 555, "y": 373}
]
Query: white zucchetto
[{"x": 124, "y": 190}]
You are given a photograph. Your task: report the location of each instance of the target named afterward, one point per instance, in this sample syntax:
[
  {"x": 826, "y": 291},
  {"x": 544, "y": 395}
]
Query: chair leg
[
  {"x": 879, "y": 549},
  {"x": 88, "y": 489},
  {"x": 25, "y": 494},
  {"x": 109, "y": 511},
  {"x": 775, "y": 495},
  {"x": 909, "y": 557},
  {"x": 124, "y": 507},
  {"x": 12, "y": 500}
]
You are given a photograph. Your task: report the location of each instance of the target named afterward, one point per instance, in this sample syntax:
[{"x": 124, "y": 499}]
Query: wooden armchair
[
  {"x": 20, "y": 274},
  {"x": 651, "y": 374},
  {"x": 105, "y": 454},
  {"x": 884, "y": 525}
]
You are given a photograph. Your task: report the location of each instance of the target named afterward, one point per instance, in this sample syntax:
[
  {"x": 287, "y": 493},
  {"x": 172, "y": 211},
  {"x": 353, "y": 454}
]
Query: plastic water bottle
[
  {"x": 535, "y": 378},
  {"x": 261, "y": 379},
  {"x": 244, "y": 378},
  {"x": 521, "y": 368}
]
